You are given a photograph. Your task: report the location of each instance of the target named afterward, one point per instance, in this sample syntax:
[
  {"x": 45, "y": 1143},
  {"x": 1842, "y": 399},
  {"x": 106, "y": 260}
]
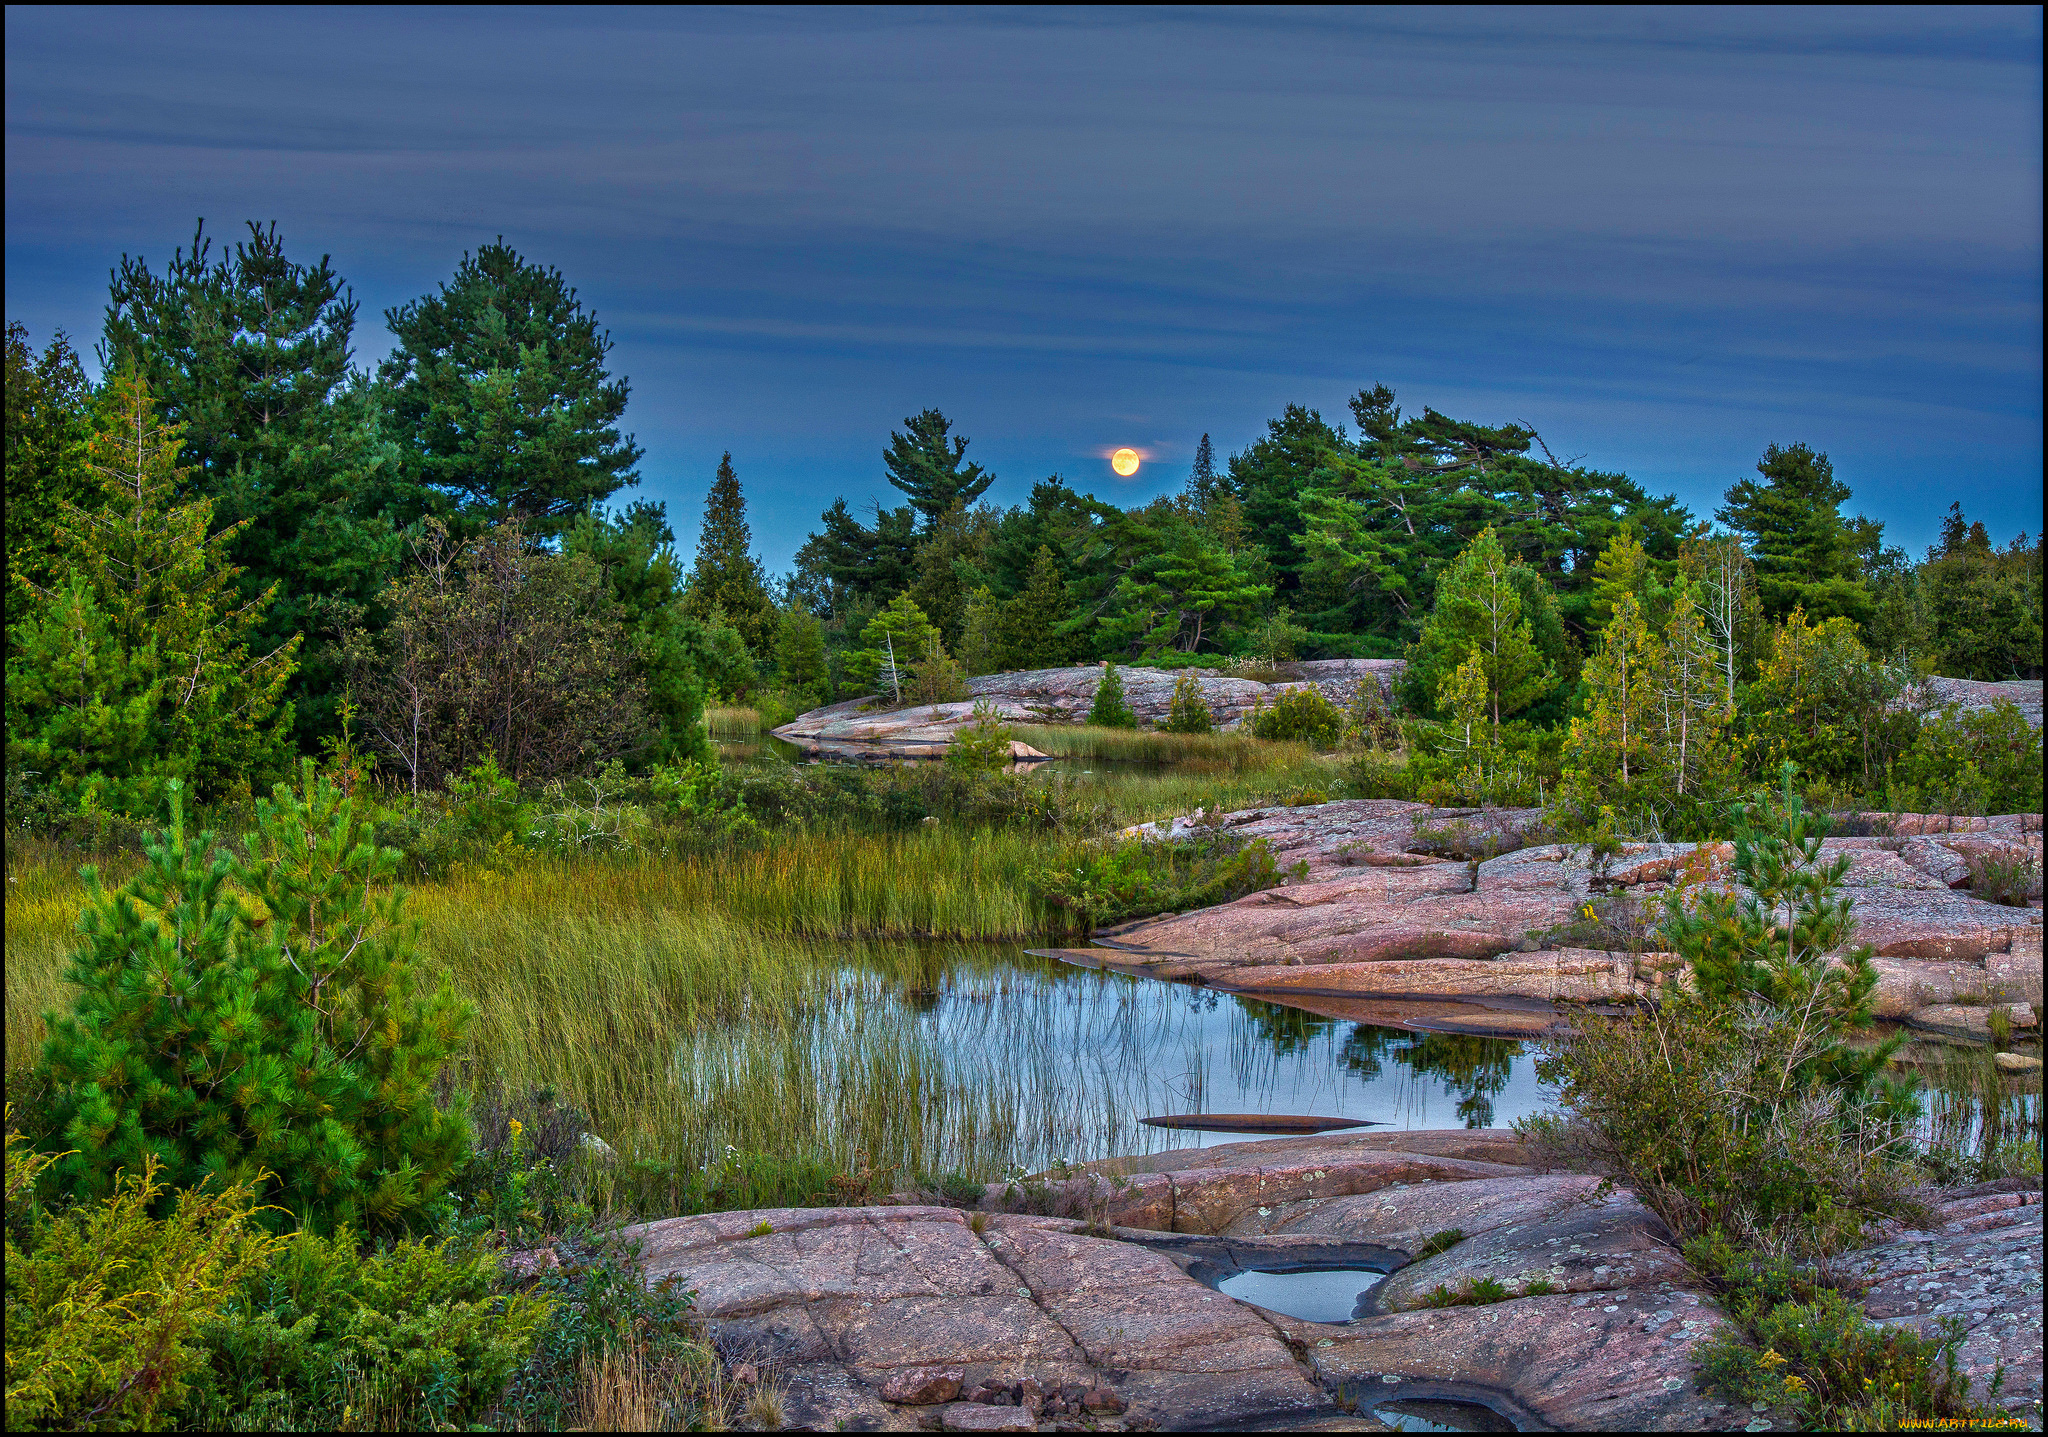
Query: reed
[
  {"x": 1195, "y": 754},
  {"x": 733, "y": 724}
]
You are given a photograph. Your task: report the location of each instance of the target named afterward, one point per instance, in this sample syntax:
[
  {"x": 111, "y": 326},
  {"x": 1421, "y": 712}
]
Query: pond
[{"x": 1014, "y": 1061}]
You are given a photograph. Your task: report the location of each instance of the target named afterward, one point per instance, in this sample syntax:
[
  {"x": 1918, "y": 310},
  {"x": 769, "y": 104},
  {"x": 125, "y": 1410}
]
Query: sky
[{"x": 1665, "y": 238}]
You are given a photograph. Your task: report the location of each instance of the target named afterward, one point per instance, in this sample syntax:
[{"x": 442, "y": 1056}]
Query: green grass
[
  {"x": 732, "y": 724},
  {"x": 1192, "y": 754}
]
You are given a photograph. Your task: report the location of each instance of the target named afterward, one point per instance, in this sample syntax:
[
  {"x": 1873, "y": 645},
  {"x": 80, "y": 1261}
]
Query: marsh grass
[
  {"x": 1980, "y": 1123},
  {"x": 732, "y": 724},
  {"x": 1194, "y": 754}
]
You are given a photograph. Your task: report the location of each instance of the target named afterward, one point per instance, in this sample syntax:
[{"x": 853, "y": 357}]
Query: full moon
[{"x": 1125, "y": 462}]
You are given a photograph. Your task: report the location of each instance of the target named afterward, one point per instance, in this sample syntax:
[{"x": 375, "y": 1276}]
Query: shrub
[
  {"x": 1378, "y": 775},
  {"x": 1987, "y": 761},
  {"x": 1742, "y": 1106},
  {"x": 1438, "y": 1242},
  {"x": 1109, "y": 709},
  {"x": 1138, "y": 877},
  {"x": 984, "y": 745},
  {"x": 256, "y": 1022},
  {"x": 1368, "y": 721},
  {"x": 934, "y": 677},
  {"x": 1303, "y": 715},
  {"x": 2008, "y": 877},
  {"x": 1187, "y": 712},
  {"x": 415, "y": 1336},
  {"x": 105, "y": 1302}
]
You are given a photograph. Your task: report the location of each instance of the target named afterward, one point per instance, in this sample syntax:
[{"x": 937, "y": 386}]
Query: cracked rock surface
[{"x": 907, "y": 1318}]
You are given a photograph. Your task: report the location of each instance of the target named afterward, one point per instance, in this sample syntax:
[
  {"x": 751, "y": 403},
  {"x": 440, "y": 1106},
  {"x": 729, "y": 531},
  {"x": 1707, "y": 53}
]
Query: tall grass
[
  {"x": 1195, "y": 754},
  {"x": 732, "y": 724}
]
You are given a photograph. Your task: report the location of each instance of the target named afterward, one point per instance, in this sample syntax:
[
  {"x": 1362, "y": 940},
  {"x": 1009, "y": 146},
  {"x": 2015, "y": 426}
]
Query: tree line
[{"x": 235, "y": 547}]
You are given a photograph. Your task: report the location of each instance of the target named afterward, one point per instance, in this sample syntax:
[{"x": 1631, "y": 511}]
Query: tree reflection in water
[{"x": 1473, "y": 1069}]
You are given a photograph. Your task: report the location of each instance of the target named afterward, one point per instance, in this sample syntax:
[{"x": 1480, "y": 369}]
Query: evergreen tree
[
  {"x": 1187, "y": 711},
  {"x": 1299, "y": 453},
  {"x": 250, "y": 354},
  {"x": 897, "y": 638},
  {"x": 1109, "y": 709},
  {"x": 1464, "y": 698},
  {"x": 928, "y": 464},
  {"x": 980, "y": 633},
  {"x": 1625, "y": 567},
  {"x": 49, "y": 420},
  {"x": 1179, "y": 593},
  {"x": 498, "y": 395},
  {"x": 852, "y": 561},
  {"x": 673, "y": 651},
  {"x": 259, "y": 1022},
  {"x": 800, "y": 656},
  {"x": 1203, "y": 481},
  {"x": 135, "y": 667},
  {"x": 727, "y": 575},
  {"x": 1690, "y": 712},
  {"x": 1982, "y": 605},
  {"x": 1612, "y": 750},
  {"x": 1801, "y": 547},
  {"x": 1030, "y": 633},
  {"x": 949, "y": 569},
  {"x": 1480, "y": 605}
]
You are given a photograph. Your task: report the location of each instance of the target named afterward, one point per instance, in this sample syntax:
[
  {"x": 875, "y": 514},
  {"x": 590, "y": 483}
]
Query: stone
[
  {"x": 1614, "y": 1245},
  {"x": 530, "y": 1263},
  {"x": 921, "y": 1386},
  {"x": 1964, "y": 1021},
  {"x": 2016, "y": 1063},
  {"x": 1407, "y": 1217},
  {"x": 976, "y": 1417}
]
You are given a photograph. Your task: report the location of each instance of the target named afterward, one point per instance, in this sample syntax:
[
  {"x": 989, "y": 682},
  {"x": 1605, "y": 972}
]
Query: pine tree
[
  {"x": 259, "y": 1021},
  {"x": 1464, "y": 698},
  {"x": 979, "y": 633},
  {"x": 1796, "y": 537},
  {"x": 1187, "y": 712},
  {"x": 893, "y": 642},
  {"x": 1690, "y": 712},
  {"x": 498, "y": 395},
  {"x": 800, "y": 656},
  {"x": 1613, "y": 748},
  {"x": 1624, "y": 567},
  {"x": 927, "y": 463},
  {"x": 137, "y": 668},
  {"x": 727, "y": 575},
  {"x": 1109, "y": 709},
  {"x": 250, "y": 354},
  {"x": 1203, "y": 483},
  {"x": 1479, "y": 605}
]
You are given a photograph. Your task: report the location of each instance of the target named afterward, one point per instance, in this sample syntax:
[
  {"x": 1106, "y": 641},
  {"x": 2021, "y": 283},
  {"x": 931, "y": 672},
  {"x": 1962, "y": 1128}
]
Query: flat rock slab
[
  {"x": 1407, "y": 1217},
  {"x": 1613, "y": 1245}
]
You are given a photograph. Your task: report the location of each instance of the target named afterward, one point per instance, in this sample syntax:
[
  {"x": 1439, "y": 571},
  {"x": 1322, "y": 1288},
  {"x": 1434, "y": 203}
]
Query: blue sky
[{"x": 1665, "y": 238}]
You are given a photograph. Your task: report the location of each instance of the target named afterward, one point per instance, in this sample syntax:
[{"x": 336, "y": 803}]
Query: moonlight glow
[{"x": 1125, "y": 462}]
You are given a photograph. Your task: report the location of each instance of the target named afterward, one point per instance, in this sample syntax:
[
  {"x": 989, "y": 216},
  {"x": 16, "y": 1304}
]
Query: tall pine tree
[
  {"x": 1481, "y": 606},
  {"x": 249, "y": 353},
  {"x": 499, "y": 397},
  {"x": 726, "y": 575},
  {"x": 928, "y": 463},
  {"x": 49, "y": 420},
  {"x": 1796, "y": 537}
]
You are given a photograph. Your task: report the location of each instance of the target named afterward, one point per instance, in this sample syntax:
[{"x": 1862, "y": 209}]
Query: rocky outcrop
[
  {"x": 906, "y": 1317},
  {"x": 1971, "y": 694},
  {"x": 1400, "y": 901},
  {"x": 1061, "y": 696}
]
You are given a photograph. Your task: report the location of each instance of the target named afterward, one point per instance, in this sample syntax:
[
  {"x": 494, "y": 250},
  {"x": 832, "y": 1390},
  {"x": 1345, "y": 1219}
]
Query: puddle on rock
[
  {"x": 1423, "y": 1415},
  {"x": 1329, "y": 1295}
]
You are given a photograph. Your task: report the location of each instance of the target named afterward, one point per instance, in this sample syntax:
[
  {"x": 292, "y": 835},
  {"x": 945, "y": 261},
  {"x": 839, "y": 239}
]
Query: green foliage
[
  {"x": 1807, "y": 1351},
  {"x": 983, "y": 745},
  {"x": 934, "y": 678},
  {"x": 1301, "y": 715},
  {"x": 927, "y": 462},
  {"x": 1804, "y": 552},
  {"x": 1473, "y": 1292},
  {"x": 1187, "y": 712},
  {"x": 896, "y": 638},
  {"x": 1820, "y": 702},
  {"x": 106, "y": 1302},
  {"x": 1368, "y": 720},
  {"x": 48, "y": 422},
  {"x": 136, "y": 667},
  {"x": 1099, "y": 884},
  {"x": 1983, "y": 761},
  {"x": 800, "y": 663},
  {"x": 1980, "y": 607},
  {"x": 1183, "y": 587},
  {"x": 1109, "y": 709},
  {"x": 498, "y": 397},
  {"x": 250, "y": 356},
  {"x": 727, "y": 577},
  {"x": 1030, "y": 632},
  {"x": 1743, "y": 1105},
  {"x": 1438, "y": 1242},
  {"x": 1481, "y": 605},
  {"x": 412, "y": 1336},
  {"x": 256, "y": 1021}
]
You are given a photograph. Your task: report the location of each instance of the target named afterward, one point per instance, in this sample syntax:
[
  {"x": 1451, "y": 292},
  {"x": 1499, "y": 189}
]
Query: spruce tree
[
  {"x": 726, "y": 575},
  {"x": 1203, "y": 483},
  {"x": 929, "y": 464},
  {"x": 1613, "y": 749},
  {"x": 1109, "y": 709},
  {"x": 259, "y": 1021},
  {"x": 979, "y": 633},
  {"x": 1625, "y": 567},
  {"x": 1796, "y": 537},
  {"x": 499, "y": 398},
  {"x": 250, "y": 354},
  {"x": 800, "y": 664},
  {"x": 1029, "y": 634},
  {"x": 49, "y": 420},
  {"x": 136, "y": 666}
]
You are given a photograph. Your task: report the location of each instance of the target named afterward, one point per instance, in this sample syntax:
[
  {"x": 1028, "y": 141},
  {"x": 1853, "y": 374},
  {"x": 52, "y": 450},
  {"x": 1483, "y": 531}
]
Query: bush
[
  {"x": 105, "y": 1302},
  {"x": 1378, "y": 775},
  {"x": 1741, "y": 1106},
  {"x": 1139, "y": 877},
  {"x": 412, "y": 1337},
  {"x": 1368, "y": 721},
  {"x": 1187, "y": 712},
  {"x": 1109, "y": 709},
  {"x": 1985, "y": 761},
  {"x": 984, "y": 745},
  {"x": 1302, "y": 715},
  {"x": 255, "y": 1021}
]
